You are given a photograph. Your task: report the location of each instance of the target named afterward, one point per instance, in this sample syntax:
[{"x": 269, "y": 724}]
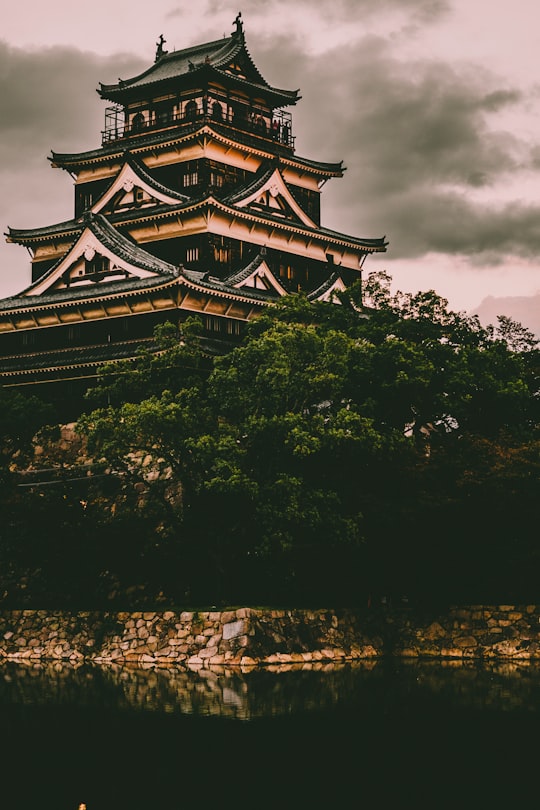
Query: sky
[{"x": 433, "y": 105}]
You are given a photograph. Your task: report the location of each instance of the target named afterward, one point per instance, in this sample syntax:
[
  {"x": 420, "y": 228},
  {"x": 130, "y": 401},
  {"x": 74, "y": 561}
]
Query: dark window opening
[
  {"x": 217, "y": 111},
  {"x": 138, "y": 123},
  {"x": 98, "y": 264},
  {"x": 191, "y": 111}
]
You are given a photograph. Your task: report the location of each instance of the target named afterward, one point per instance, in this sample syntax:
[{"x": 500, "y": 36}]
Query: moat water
[{"x": 389, "y": 734}]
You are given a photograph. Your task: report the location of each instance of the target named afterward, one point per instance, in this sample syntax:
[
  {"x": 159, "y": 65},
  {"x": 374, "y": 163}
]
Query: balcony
[{"x": 241, "y": 127}]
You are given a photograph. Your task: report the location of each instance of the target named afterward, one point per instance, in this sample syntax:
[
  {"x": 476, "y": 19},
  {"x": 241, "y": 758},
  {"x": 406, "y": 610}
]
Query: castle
[{"x": 195, "y": 203}]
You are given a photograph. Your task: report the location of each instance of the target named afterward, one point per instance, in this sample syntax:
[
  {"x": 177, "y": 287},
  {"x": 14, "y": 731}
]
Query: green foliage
[
  {"x": 338, "y": 451},
  {"x": 175, "y": 360}
]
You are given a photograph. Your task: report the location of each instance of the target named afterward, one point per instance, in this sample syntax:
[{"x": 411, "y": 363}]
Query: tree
[{"x": 337, "y": 451}]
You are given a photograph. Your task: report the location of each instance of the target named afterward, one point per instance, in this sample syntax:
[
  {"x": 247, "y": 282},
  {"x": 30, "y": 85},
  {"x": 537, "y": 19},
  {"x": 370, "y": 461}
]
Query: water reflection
[
  {"x": 274, "y": 691},
  {"x": 389, "y": 734}
]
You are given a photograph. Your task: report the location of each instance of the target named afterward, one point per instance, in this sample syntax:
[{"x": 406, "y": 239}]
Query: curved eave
[
  {"x": 230, "y": 47},
  {"x": 219, "y": 53},
  {"x": 366, "y": 245},
  {"x": 145, "y": 176},
  {"x": 145, "y": 144},
  {"x": 225, "y": 292},
  {"x": 377, "y": 245},
  {"x": 254, "y": 184},
  {"x": 34, "y": 303},
  {"x": 275, "y": 94},
  {"x": 114, "y": 152},
  {"x": 201, "y": 76},
  {"x": 322, "y": 170},
  {"x": 126, "y": 218},
  {"x": 72, "y": 365},
  {"x": 35, "y": 235}
]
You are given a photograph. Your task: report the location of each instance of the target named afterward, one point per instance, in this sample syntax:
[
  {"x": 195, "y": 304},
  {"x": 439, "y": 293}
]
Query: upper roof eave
[
  {"x": 206, "y": 58},
  {"x": 24, "y": 236},
  {"x": 370, "y": 245},
  {"x": 164, "y": 67},
  {"x": 115, "y": 151}
]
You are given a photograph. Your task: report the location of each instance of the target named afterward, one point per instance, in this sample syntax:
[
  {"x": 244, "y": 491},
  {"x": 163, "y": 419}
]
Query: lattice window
[
  {"x": 222, "y": 255},
  {"x": 233, "y": 327},
  {"x": 191, "y": 178},
  {"x": 216, "y": 179}
]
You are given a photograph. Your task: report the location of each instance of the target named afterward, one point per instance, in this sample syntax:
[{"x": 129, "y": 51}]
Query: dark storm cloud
[
  {"x": 49, "y": 100},
  {"x": 417, "y": 139},
  {"x": 451, "y": 224}
]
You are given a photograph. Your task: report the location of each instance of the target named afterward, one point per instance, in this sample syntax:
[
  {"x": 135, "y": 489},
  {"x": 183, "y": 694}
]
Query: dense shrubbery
[{"x": 328, "y": 459}]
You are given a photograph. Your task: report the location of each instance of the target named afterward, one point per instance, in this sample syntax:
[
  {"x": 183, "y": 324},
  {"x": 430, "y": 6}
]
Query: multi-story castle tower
[{"x": 195, "y": 202}]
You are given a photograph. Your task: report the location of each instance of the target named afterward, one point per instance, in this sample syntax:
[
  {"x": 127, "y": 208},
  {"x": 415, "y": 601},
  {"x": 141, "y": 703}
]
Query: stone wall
[
  {"x": 249, "y": 637},
  {"x": 474, "y": 632},
  {"x": 244, "y": 636}
]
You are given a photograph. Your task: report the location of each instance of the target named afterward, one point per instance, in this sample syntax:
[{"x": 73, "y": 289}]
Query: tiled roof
[
  {"x": 178, "y": 63},
  {"x": 322, "y": 288},
  {"x": 72, "y": 227},
  {"x": 73, "y": 357},
  {"x": 246, "y": 271},
  {"x": 86, "y": 291},
  {"x": 257, "y": 181},
  {"x": 223, "y": 287},
  {"x": 142, "y": 172},
  {"x": 185, "y": 132},
  {"x": 209, "y": 57},
  {"x": 118, "y": 244}
]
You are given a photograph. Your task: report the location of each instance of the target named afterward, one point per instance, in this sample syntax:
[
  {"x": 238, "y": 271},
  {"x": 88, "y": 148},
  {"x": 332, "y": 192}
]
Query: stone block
[{"x": 233, "y": 629}]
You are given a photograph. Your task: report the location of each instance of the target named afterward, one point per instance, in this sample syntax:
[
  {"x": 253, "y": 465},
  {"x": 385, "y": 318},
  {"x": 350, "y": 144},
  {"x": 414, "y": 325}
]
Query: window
[
  {"x": 138, "y": 122},
  {"x": 191, "y": 179},
  {"x": 86, "y": 200},
  {"x": 191, "y": 110},
  {"x": 286, "y": 271},
  {"x": 221, "y": 255},
  {"x": 97, "y": 264},
  {"x": 216, "y": 179},
  {"x": 192, "y": 254},
  {"x": 164, "y": 113},
  {"x": 217, "y": 111},
  {"x": 233, "y": 327},
  {"x": 213, "y": 324}
]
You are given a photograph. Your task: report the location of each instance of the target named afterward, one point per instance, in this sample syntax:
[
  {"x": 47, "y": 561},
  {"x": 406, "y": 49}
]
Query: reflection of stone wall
[
  {"x": 248, "y": 637},
  {"x": 371, "y": 686}
]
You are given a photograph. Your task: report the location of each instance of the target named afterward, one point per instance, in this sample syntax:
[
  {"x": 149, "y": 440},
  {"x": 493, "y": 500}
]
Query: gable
[
  {"x": 88, "y": 262},
  {"x": 262, "y": 278},
  {"x": 129, "y": 190},
  {"x": 330, "y": 294},
  {"x": 274, "y": 198},
  {"x": 241, "y": 65}
]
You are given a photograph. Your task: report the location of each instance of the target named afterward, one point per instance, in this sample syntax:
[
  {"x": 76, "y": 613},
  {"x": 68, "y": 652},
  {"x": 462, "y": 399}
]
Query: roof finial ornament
[
  {"x": 239, "y": 24},
  {"x": 160, "y": 50}
]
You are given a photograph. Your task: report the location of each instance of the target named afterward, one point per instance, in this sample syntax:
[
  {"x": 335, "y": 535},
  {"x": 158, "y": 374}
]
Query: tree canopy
[{"x": 340, "y": 451}]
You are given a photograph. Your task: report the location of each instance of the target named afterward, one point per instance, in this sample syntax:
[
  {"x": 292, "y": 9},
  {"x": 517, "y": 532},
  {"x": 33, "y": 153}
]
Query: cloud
[
  {"x": 420, "y": 139},
  {"x": 49, "y": 100},
  {"x": 339, "y": 10}
]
